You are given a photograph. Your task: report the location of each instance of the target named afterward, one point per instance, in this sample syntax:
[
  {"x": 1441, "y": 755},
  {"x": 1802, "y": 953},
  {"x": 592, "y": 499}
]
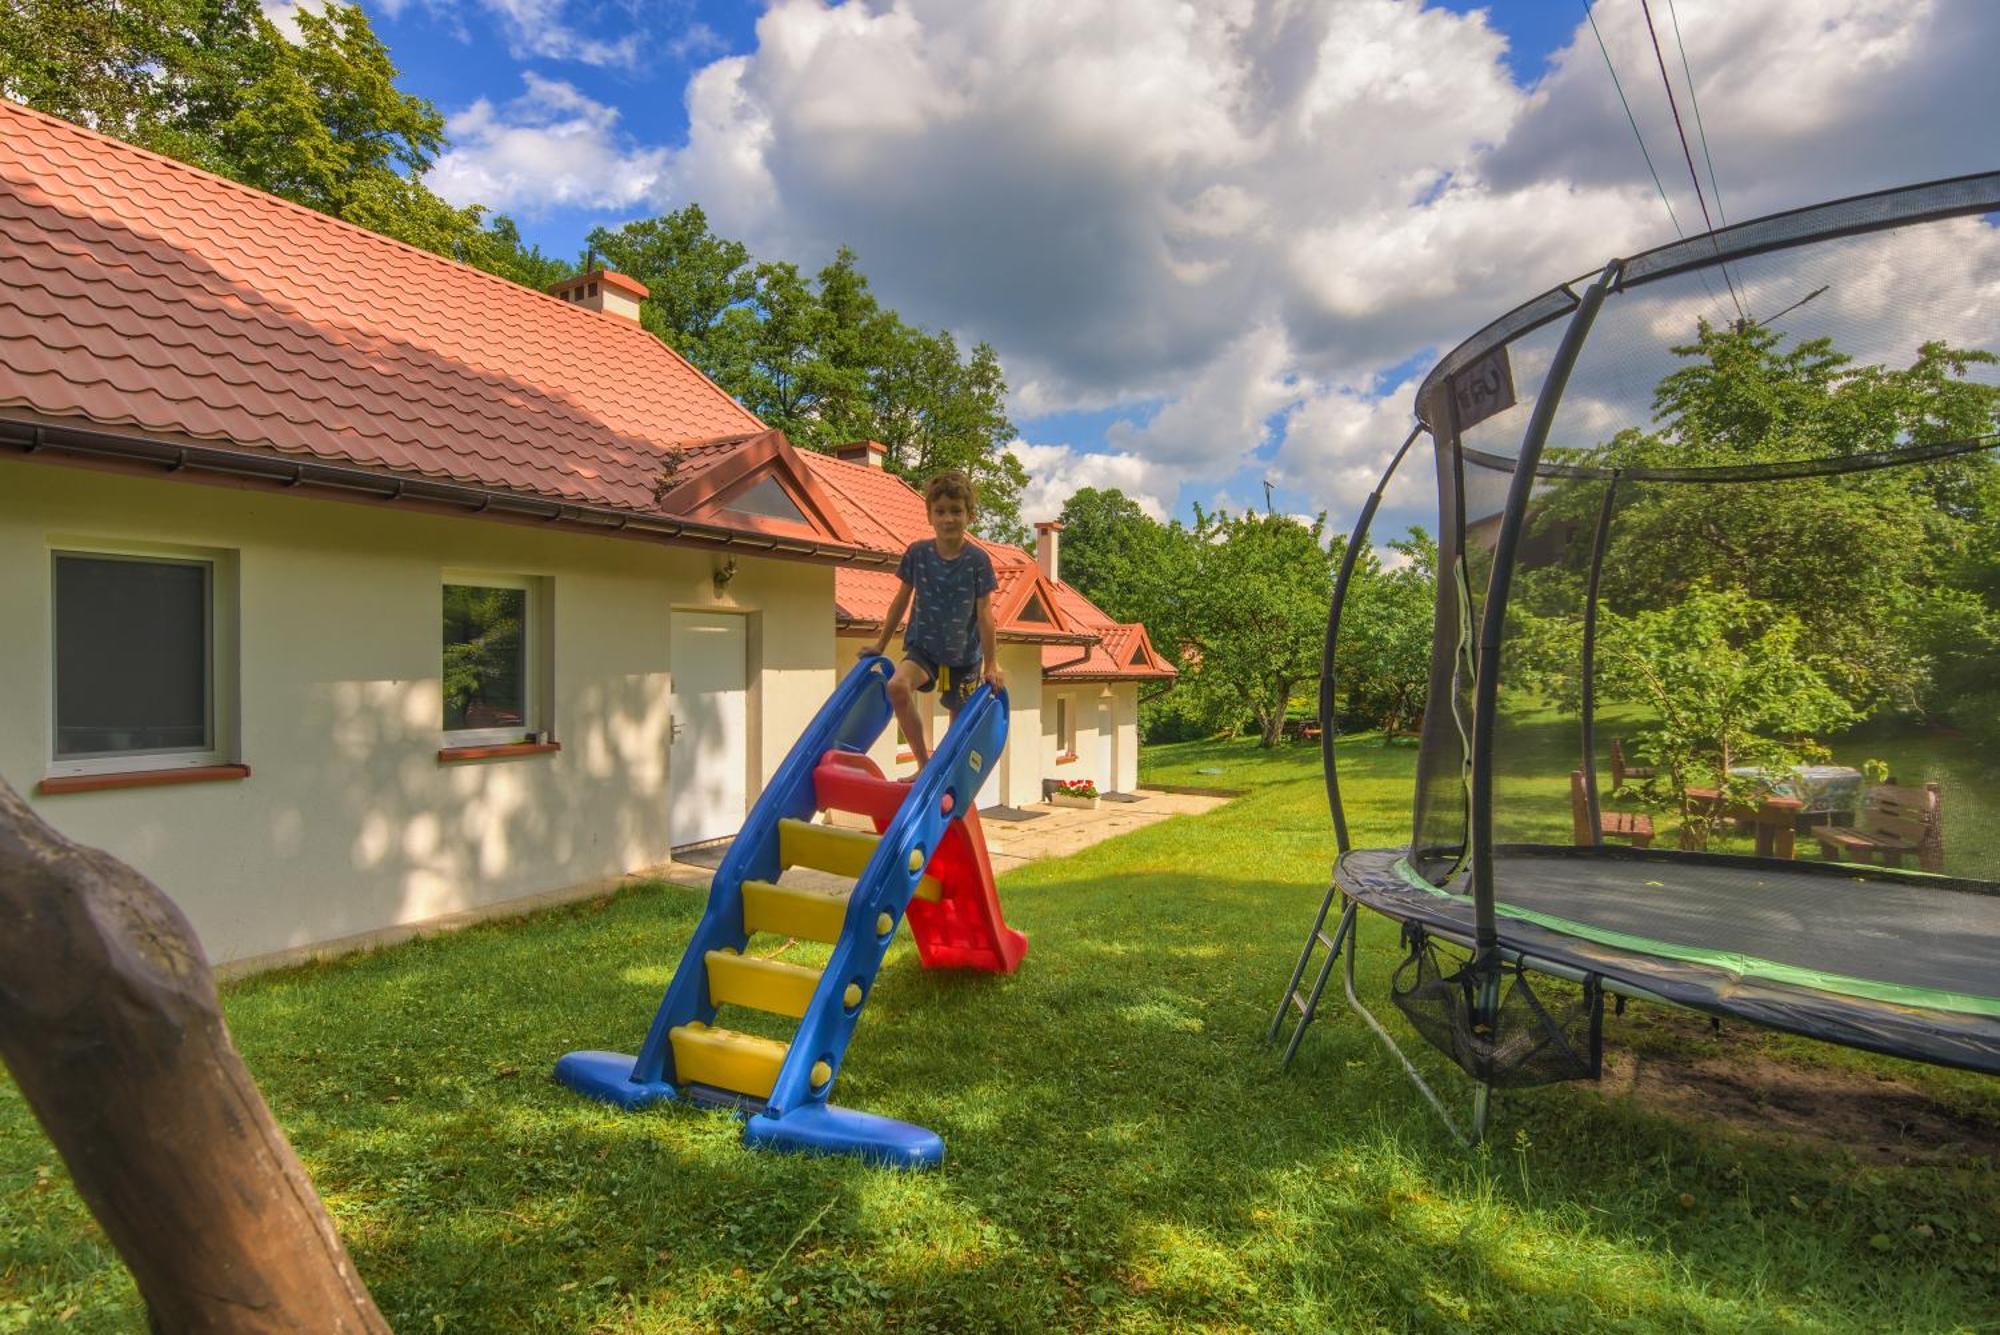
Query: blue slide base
[
  {"x": 607, "y": 1077},
  {"x": 824, "y": 1129}
]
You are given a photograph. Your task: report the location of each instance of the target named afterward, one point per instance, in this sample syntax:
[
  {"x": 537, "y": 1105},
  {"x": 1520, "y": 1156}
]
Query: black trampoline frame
[{"x": 1492, "y": 955}]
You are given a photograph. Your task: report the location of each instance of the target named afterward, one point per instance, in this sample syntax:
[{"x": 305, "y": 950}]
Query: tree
[
  {"x": 1730, "y": 686},
  {"x": 1876, "y": 565},
  {"x": 694, "y": 276},
  {"x": 500, "y": 250},
  {"x": 1256, "y": 614},
  {"x": 1382, "y": 661},
  {"x": 935, "y": 410},
  {"x": 1130, "y": 564}
]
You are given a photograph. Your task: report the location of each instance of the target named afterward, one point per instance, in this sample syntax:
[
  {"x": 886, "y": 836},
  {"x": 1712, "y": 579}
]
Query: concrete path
[{"x": 1056, "y": 832}]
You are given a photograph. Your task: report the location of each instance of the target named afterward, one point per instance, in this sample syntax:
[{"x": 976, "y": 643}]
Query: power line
[
  {"x": 1695, "y": 102},
  {"x": 1694, "y": 176},
  {"x": 1632, "y": 121}
]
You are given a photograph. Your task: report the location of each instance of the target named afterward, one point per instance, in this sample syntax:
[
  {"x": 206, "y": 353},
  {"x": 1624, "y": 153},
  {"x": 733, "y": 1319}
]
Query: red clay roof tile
[
  {"x": 886, "y": 512},
  {"x": 138, "y": 292}
]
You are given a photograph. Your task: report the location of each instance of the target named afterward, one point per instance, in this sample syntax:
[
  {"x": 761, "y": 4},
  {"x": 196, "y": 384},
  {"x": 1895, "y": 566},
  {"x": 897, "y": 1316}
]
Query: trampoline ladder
[{"x": 1307, "y": 1005}]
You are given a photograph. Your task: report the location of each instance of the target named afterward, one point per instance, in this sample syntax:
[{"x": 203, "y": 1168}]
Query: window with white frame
[
  {"x": 495, "y": 660},
  {"x": 142, "y": 661}
]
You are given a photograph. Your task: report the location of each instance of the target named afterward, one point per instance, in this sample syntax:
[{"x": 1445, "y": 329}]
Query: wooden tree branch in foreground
[{"x": 110, "y": 1023}]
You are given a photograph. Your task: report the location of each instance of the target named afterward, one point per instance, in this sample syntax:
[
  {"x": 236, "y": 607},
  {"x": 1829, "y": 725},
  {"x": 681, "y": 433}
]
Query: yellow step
[
  {"x": 829, "y": 848},
  {"x": 725, "y": 1059},
  {"x": 765, "y": 985},
  {"x": 789, "y": 910}
]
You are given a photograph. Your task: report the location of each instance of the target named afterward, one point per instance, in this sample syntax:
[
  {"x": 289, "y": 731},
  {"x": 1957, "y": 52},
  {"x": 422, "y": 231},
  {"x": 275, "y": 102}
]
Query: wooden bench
[
  {"x": 1893, "y": 823},
  {"x": 1635, "y": 826},
  {"x": 1621, "y": 772},
  {"x": 1775, "y": 819}
]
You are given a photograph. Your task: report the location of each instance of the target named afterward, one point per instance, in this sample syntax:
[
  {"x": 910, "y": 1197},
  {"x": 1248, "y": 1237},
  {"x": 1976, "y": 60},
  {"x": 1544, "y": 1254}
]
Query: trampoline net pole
[
  {"x": 1355, "y": 542},
  {"x": 1588, "y": 704},
  {"x": 1486, "y": 687}
]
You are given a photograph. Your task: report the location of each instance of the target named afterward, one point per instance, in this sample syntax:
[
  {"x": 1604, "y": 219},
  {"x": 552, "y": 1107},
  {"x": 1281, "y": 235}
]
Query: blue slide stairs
[{"x": 784, "y": 1087}]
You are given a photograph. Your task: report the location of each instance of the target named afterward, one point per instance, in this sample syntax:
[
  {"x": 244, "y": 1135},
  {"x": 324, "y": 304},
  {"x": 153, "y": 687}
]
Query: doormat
[
  {"x": 1009, "y": 813},
  {"x": 1121, "y": 797},
  {"x": 704, "y": 855}
]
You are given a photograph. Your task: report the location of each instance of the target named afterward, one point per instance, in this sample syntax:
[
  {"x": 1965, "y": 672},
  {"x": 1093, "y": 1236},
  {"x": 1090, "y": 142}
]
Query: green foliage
[
  {"x": 1130, "y": 564},
  {"x": 695, "y": 277},
  {"x": 1884, "y": 569},
  {"x": 1731, "y": 683},
  {"x": 1255, "y": 618},
  {"x": 822, "y": 360},
  {"x": 1383, "y": 657}
]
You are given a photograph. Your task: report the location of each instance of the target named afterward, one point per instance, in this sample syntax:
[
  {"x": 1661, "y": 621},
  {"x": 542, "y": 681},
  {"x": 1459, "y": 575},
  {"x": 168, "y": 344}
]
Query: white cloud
[
  {"x": 552, "y": 146},
  {"x": 1057, "y": 472},
  {"x": 1339, "y": 440},
  {"x": 1235, "y": 209},
  {"x": 1221, "y": 415},
  {"x": 284, "y": 14},
  {"x": 540, "y": 29}
]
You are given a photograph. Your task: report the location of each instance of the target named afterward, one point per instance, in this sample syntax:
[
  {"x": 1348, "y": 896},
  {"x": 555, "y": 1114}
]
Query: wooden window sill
[
  {"x": 1066, "y": 758},
  {"x": 451, "y": 755},
  {"x": 141, "y": 778}
]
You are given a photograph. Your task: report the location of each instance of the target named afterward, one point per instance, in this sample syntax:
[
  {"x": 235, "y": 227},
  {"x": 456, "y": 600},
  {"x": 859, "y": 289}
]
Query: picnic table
[
  {"x": 1774, "y": 820},
  {"x": 1821, "y": 790}
]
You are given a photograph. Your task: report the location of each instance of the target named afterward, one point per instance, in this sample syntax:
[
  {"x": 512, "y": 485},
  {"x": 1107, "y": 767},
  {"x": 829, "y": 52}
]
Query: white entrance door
[
  {"x": 708, "y": 767},
  {"x": 1107, "y": 751}
]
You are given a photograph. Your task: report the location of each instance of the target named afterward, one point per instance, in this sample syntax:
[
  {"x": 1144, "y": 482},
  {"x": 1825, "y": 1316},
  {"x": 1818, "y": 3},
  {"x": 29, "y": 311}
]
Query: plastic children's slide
[{"x": 927, "y": 861}]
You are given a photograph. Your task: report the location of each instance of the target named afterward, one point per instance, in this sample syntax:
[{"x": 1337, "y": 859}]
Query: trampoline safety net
[{"x": 1715, "y": 675}]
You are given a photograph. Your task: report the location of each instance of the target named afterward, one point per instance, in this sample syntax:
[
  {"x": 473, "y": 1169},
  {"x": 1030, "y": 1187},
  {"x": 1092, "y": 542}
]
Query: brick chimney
[
  {"x": 867, "y": 453},
  {"x": 602, "y": 290},
  {"x": 1048, "y": 540}
]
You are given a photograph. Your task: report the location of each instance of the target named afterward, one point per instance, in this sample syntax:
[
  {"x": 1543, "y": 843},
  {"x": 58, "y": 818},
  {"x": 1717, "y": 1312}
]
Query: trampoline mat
[{"x": 1906, "y": 965}]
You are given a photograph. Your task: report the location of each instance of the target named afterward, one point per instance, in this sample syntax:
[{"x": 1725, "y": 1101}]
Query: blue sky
[{"x": 1211, "y": 247}]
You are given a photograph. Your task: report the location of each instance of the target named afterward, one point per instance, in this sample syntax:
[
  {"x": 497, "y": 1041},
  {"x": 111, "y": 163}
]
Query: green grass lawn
[{"x": 1123, "y": 1151}]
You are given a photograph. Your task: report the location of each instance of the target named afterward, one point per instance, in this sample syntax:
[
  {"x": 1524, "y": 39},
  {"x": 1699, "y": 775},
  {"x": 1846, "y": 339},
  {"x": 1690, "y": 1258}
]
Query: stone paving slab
[{"x": 1011, "y": 844}]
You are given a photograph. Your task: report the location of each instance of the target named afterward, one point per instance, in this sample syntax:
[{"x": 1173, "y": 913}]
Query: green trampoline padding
[{"x": 1927, "y": 947}]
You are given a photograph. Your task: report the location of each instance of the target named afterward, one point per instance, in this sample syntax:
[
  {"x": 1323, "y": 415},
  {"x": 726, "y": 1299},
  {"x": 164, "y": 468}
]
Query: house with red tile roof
[
  {"x": 1074, "y": 675},
  {"x": 352, "y": 588}
]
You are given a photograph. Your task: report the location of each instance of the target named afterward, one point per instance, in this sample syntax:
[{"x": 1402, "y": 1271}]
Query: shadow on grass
[{"x": 1123, "y": 1149}]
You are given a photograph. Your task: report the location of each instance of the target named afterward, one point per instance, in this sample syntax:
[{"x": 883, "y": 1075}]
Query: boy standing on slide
[{"x": 949, "y": 645}]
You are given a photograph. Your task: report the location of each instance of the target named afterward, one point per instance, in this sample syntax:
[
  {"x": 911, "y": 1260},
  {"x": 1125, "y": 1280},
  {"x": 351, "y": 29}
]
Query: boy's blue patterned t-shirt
[{"x": 944, "y": 623}]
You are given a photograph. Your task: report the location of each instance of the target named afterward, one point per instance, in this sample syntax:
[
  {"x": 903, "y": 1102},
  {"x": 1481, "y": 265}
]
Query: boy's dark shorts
[{"x": 953, "y": 682}]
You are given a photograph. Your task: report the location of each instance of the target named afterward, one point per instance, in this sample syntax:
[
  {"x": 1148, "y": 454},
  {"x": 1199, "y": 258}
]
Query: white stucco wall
[
  {"x": 1085, "y": 700},
  {"x": 349, "y": 823},
  {"x": 1021, "y": 774}
]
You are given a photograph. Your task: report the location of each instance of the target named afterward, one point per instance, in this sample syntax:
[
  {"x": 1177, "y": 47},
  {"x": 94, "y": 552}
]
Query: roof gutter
[
  {"x": 846, "y": 623},
  {"x": 34, "y": 439}
]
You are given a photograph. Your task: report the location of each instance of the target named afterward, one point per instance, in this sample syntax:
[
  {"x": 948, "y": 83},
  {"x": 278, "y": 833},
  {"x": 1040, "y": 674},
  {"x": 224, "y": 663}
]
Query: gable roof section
[
  {"x": 141, "y": 295},
  {"x": 887, "y": 512},
  {"x": 1123, "y": 652},
  {"x": 758, "y": 482}
]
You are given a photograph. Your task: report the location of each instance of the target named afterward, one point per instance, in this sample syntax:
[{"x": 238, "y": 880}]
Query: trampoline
[{"x": 1617, "y": 466}]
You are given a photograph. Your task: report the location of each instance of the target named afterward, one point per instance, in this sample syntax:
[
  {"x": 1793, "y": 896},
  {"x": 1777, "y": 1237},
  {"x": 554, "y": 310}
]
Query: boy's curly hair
[{"x": 951, "y": 485}]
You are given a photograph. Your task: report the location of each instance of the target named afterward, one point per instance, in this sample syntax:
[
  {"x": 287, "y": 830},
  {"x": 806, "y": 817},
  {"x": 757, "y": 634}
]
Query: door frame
[{"x": 753, "y": 714}]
